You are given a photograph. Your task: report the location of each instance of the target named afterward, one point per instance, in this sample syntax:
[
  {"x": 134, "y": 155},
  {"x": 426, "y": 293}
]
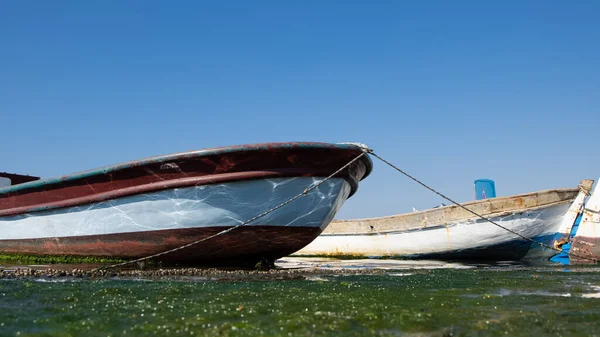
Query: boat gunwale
[
  {"x": 189, "y": 154},
  {"x": 445, "y": 224},
  {"x": 469, "y": 203}
]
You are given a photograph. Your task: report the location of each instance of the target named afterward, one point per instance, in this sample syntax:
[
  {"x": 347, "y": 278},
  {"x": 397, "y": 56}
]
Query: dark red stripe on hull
[
  {"x": 244, "y": 245},
  {"x": 186, "y": 170},
  {"x": 586, "y": 247}
]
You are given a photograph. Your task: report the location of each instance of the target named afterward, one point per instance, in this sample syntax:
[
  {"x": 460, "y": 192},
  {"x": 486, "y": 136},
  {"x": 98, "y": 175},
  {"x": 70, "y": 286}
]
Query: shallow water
[{"x": 404, "y": 298}]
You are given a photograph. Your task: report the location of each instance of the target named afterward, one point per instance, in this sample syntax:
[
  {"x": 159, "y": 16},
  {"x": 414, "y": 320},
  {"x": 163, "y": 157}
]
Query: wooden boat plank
[{"x": 449, "y": 214}]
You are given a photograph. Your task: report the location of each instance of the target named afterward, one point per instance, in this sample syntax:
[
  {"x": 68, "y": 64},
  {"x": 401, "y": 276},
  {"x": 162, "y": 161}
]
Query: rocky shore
[{"x": 210, "y": 273}]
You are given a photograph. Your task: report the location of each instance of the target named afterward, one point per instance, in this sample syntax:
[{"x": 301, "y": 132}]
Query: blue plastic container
[{"x": 484, "y": 189}]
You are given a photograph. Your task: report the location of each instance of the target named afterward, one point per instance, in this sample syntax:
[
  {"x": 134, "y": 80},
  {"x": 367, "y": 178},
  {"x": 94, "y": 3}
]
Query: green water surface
[{"x": 440, "y": 302}]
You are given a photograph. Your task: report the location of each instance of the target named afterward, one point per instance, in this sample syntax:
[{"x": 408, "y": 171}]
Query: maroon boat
[{"x": 153, "y": 205}]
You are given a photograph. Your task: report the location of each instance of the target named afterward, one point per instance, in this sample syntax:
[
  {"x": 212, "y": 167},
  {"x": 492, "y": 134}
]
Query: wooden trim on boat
[
  {"x": 448, "y": 223},
  {"x": 453, "y": 213}
]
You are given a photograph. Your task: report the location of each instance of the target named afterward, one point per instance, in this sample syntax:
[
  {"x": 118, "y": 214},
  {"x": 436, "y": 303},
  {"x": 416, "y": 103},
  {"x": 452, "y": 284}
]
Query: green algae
[
  {"x": 55, "y": 259},
  {"x": 444, "y": 302}
]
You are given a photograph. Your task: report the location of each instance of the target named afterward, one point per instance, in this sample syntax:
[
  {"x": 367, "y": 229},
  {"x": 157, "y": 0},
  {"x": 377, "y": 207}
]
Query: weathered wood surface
[{"x": 449, "y": 214}]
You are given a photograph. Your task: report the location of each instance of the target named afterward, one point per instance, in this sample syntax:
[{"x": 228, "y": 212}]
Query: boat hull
[
  {"x": 150, "y": 206},
  {"x": 472, "y": 239},
  {"x": 242, "y": 246},
  {"x": 146, "y": 224}
]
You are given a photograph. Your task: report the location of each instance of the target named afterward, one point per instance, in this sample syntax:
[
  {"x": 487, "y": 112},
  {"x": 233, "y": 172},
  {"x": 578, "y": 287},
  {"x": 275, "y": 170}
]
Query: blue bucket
[{"x": 484, "y": 189}]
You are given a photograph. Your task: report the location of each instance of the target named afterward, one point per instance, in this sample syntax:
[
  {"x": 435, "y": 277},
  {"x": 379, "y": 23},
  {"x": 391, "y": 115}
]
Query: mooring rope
[
  {"x": 560, "y": 250},
  {"x": 315, "y": 185},
  {"x": 301, "y": 194}
]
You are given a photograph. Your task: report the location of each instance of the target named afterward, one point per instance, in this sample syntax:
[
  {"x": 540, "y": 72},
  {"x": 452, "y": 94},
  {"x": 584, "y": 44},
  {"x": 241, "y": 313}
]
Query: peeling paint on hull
[
  {"x": 585, "y": 246},
  {"x": 476, "y": 239},
  {"x": 451, "y": 233}
]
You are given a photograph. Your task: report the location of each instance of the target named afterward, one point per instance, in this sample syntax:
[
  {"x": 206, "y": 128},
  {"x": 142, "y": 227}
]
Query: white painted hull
[
  {"x": 467, "y": 235},
  {"x": 586, "y": 243},
  {"x": 219, "y": 205}
]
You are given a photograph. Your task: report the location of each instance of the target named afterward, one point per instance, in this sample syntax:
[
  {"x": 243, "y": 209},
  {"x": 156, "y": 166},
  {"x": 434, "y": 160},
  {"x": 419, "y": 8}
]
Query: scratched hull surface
[
  {"x": 130, "y": 226},
  {"x": 199, "y": 206},
  {"x": 152, "y": 205}
]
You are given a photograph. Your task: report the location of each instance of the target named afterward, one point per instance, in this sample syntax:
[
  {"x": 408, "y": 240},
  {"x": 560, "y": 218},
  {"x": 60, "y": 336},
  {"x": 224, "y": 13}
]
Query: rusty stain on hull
[
  {"x": 452, "y": 231},
  {"x": 586, "y": 247}
]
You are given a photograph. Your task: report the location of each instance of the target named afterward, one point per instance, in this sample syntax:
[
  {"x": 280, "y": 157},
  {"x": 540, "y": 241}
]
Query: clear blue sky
[{"x": 450, "y": 91}]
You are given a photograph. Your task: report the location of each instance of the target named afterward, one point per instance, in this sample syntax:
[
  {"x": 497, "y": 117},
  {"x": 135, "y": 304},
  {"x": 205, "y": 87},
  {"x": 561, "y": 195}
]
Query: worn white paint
[
  {"x": 589, "y": 227},
  {"x": 576, "y": 208},
  {"x": 226, "y": 204},
  {"x": 537, "y": 215},
  {"x": 467, "y": 234}
]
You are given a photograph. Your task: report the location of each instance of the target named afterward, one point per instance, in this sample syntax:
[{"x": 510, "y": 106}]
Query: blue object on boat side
[
  {"x": 484, "y": 189},
  {"x": 563, "y": 257}
]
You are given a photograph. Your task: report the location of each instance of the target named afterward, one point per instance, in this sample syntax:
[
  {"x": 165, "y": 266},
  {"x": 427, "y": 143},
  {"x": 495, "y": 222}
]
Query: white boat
[{"x": 452, "y": 233}]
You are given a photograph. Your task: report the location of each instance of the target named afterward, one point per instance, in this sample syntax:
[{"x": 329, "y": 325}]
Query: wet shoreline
[{"x": 287, "y": 268}]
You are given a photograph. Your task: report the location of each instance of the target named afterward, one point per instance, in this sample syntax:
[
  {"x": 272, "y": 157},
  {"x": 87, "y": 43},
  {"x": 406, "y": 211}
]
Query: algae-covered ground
[
  {"x": 53, "y": 259},
  {"x": 483, "y": 301}
]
